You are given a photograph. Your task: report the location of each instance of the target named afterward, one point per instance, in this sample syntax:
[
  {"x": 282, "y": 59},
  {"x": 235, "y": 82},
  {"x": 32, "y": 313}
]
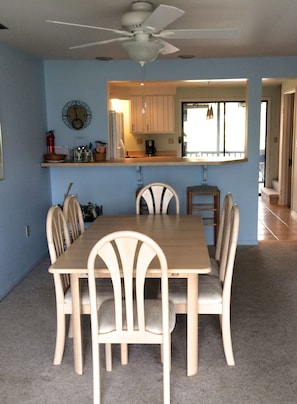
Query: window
[{"x": 214, "y": 129}]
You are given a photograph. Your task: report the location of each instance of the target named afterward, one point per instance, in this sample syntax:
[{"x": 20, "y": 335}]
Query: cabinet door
[
  {"x": 162, "y": 116},
  {"x": 158, "y": 116},
  {"x": 137, "y": 117}
]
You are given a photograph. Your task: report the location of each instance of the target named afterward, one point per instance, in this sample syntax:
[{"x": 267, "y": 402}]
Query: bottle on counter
[{"x": 51, "y": 142}]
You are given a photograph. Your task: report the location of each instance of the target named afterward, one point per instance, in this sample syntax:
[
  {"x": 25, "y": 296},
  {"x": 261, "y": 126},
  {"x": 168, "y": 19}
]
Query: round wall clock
[{"x": 76, "y": 114}]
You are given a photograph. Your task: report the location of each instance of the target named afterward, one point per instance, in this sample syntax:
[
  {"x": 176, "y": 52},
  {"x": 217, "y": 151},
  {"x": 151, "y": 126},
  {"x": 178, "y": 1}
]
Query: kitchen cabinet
[{"x": 159, "y": 114}]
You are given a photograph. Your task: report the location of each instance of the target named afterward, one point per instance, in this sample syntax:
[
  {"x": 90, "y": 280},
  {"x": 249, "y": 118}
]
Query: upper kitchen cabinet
[{"x": 152, "y": 114}]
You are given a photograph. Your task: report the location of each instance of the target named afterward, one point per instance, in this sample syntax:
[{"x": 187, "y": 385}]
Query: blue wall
[
  {"x": 25, "y": 190},
  {"x": 114, "y": 188},
  {"x": 32, "y": 95}
]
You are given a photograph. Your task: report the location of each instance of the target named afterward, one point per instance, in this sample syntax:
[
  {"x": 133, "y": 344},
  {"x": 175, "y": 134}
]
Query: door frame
[{"x": 286, "y": 148}]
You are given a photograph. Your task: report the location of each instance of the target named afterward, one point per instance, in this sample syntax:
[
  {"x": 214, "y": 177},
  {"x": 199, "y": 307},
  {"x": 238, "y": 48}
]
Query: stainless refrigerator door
[{"x": 116, "y": 133}]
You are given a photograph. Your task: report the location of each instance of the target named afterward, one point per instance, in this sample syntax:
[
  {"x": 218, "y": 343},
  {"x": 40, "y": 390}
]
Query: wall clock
[{"x": 76, "y": 114}]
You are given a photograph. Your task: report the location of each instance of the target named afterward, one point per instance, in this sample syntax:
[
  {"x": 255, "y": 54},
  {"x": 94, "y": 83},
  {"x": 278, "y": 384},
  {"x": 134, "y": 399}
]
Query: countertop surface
[{"x": 148, "y": 161}]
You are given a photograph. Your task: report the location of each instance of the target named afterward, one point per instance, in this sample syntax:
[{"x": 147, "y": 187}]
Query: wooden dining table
[{"x": 182, "y": 239}]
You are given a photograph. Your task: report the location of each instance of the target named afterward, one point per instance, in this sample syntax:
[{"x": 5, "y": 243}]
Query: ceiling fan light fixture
[
  {"x": 133, "y": 19},
  {"x": 142, "y": 52}
]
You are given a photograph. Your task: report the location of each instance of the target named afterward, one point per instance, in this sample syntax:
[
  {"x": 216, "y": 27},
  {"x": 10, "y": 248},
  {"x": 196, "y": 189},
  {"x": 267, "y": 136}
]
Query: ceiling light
[{"x": 142, "y": 51}]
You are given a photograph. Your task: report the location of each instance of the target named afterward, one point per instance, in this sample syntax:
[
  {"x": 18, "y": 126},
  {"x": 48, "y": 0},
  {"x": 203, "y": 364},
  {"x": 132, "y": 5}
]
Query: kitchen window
[{"x": 214, "y": 129}]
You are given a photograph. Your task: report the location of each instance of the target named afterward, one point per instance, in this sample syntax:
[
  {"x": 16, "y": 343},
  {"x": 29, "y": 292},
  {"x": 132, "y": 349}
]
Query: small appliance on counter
[
  {"x": 82, "y": 154},
  {"x": 150, "y": 148}
]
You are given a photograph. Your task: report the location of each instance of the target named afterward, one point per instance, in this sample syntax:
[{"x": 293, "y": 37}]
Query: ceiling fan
[{"x": 143, "y": 31}]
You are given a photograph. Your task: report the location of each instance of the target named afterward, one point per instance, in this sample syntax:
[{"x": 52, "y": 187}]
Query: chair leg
[
  {"x": 166, "y": 373},
  {"x": 96, "y": 372},
  {"x": 108, "y": 357},
  {"x": 169, "y": 353},
  {"x": 227, "y": 340},
  {"x": 124, "y": 354},
  {"x": 70, "y": 329},
  {"x": 60, "y": 337}
]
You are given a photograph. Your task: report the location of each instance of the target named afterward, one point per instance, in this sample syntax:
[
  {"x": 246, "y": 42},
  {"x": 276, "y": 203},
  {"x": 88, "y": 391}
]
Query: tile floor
[{"x": 275, "y": 223}]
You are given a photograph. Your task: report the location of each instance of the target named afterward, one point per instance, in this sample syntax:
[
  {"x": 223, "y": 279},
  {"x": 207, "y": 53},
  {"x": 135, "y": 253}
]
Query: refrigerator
[{"x": 116, "y": 135}]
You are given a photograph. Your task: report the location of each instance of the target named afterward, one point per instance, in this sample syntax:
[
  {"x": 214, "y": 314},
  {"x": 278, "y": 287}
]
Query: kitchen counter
[{"x": 149, "y": 161}]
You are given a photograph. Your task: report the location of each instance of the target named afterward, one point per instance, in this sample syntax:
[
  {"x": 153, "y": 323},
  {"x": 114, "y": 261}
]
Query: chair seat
[
  {"x": 214, "y": 271},
  {"x": 153, "y": 316},
  {"x": 209, "y": 291},
  {"x": 104, "y": 292}
]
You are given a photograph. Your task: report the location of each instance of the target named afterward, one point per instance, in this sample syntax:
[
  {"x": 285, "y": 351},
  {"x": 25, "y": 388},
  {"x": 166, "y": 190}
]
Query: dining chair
[
  {"x": 222, "y": 242},
  {"x": 214, "y": 293},
  {"x": 129, "y": 317},
  {"x": 157, "y": 197},
  {"x": 58, "y": 240},
  {"x": 74, "y": 217}
]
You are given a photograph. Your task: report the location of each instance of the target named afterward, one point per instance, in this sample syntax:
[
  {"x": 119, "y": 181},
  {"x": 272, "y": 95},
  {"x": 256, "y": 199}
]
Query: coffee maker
[{"x": 150, "y": 148}]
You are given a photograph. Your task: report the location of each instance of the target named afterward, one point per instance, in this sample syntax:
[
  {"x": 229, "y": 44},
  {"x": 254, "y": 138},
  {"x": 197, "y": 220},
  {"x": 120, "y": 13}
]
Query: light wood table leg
[
  {"x": 192, "y": 325},
  {"x": 76, "y": 321}
]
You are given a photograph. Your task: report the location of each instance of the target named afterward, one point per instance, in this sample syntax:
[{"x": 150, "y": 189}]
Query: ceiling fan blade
[
  {"x": 161, "y": 17},
  {"x": 88, "y": 45},
  {"x": 116, "y": 31},
  {"x": 167, "y": 48},
  {"x": 228, "y": 33}
]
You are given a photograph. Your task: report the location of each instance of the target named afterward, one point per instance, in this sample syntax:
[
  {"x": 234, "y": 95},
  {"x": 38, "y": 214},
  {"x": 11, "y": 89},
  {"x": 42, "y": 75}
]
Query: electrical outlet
[
  {"x": 139, "y": 140},
  {"x": 27, "y": 231}
]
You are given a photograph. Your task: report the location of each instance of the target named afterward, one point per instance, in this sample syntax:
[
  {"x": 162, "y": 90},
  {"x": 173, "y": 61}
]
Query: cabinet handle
[{"x": 147, "y": 127}]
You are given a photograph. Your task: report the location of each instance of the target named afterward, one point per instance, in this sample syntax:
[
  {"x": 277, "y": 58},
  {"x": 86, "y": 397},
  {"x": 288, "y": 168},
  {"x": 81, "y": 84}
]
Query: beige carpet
[{"x": 264, "y": 329}]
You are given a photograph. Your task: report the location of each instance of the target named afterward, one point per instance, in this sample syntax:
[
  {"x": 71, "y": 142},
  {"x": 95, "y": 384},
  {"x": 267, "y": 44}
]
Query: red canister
[{"x": 51, "y": 142}]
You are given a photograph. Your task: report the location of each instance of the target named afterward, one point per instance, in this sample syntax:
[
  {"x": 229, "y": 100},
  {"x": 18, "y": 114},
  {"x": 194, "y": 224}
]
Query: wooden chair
[
  {"x": 199, "y": 200},
  {"x": 214, "y": 293},
  {"x": 58, "y": 240},
  {"x": 74, "y": 217},
  {"x": 222, "y": 242},
  {"x": 157, "y": 197},
  {"x": 126, "y": 319}
]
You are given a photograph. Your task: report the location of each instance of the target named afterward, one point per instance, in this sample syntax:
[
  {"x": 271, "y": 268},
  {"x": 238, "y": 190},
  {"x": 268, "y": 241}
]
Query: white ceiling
[{"x": 268, "y": 27}]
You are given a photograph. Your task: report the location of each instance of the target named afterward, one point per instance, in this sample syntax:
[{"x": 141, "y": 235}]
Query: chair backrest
[
  {"x": 74, "y": 217},
  {"x": 58, "y": 240},
  {"x": 57, "y": 233},
  {"x": 128, "y": 253},
  {"x": 226, "y": 270},
  {"x": 157, "y": 197},
  {"x": 227, "y": 205}
]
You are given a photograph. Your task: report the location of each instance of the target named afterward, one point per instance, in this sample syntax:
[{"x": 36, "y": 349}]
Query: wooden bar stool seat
[{"x": 198, "y": 200}]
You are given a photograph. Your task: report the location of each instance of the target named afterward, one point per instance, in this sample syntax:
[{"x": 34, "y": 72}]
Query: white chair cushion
[
  {"x": 104, "y": 292},
  {"x": 177, "y": 291},
  {"x": 214, "y": 271},
  {"x": 210, "y": 290},
  {"x": 153, "y": 316}
]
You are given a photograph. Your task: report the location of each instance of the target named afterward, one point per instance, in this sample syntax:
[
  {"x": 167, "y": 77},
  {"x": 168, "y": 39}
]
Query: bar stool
[{"x": 210, "y": 211}]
